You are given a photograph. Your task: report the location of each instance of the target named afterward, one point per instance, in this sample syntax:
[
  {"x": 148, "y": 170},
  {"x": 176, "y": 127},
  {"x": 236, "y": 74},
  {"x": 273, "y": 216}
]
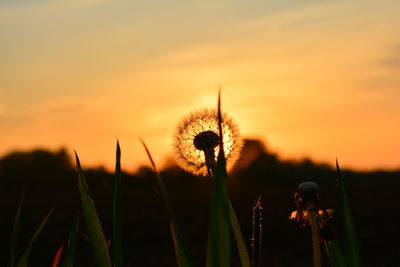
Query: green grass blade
[
  {"x": 180, "y": 250},
  {"x": 181, "y": 253},
  {"x": 117, "y": 211},
  {"x": 23, "y": 261},
  {"x": 219, "y": 231},
  {"x": 92, "y": 222},
  {"x": 335, "y": 254},
  {"x": 68, "y": 259},
  {"x": 351, "y": 246},
  {"x": 237, "y": 233},
  {"x": 16, "y": 230}
]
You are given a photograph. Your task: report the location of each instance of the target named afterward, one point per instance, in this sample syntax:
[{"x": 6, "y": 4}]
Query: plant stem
[{"x": 315, "y": 237}]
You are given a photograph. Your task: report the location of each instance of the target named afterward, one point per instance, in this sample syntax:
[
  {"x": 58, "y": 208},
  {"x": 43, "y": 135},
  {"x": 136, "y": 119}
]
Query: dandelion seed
[{"x": 196, "y": 141}]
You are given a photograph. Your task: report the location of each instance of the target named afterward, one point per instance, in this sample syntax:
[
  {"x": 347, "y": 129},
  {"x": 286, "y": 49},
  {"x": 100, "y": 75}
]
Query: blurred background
[{"x": 311, "y": 78}]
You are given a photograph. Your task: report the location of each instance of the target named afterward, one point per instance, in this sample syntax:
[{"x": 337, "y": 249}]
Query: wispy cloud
[
  {"x": 301, "y": 77},
  {"x": 392, "y": 59}
]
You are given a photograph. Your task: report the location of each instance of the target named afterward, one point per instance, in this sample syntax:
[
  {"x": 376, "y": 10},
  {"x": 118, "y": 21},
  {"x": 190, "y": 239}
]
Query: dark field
[{"x": 51, "y": 181}]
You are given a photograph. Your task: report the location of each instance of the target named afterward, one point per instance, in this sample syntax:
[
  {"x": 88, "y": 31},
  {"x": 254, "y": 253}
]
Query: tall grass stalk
[
  {"x": 57, "y": 257},
  {"x": 256, "y": 235},
  {"x": 117, "y": 210},
  {"x": 16, "y": 230},
  {"x": 219, "y": 233},
  {"x": 92, "y": 222},
  {"x": 335, "y": 254},
  {"x": 181, "y": 253},
  {"x": 237, "y": 233},
  {"x": 351, "y": 246},
  {"x": 23, "y": 261},
  {"x": 68, "y": 259}
]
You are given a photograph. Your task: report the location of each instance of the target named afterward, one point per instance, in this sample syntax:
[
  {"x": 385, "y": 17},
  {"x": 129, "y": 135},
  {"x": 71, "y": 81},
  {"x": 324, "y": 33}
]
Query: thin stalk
[
  {"x": 117, "y": 211},
  {"x": 315, "y": 237},
  {"x": 256, "y": 236}
]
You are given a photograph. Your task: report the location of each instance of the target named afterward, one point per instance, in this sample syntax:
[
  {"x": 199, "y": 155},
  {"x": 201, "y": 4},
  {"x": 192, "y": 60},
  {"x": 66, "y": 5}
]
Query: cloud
[
  {"x": 294, "y": 77},
  {"x": 16, "y": 10},
  {"x": 392, "y": 59}
]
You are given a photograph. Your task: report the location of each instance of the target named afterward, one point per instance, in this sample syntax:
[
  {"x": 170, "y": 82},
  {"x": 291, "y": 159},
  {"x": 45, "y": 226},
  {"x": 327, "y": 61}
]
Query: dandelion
[
  {"x": 196, "y": 142},
  {"x": 307, "y": 199},
  {"x": 310, "y": 211}
]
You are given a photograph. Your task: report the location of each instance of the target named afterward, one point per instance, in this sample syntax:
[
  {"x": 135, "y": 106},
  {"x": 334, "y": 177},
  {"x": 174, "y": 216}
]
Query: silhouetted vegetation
[{"x": 51, "y": 181}]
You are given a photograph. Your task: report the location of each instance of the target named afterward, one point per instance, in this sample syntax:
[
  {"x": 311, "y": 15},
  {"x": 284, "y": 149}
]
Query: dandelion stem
[{"x": 315, "y": 237}]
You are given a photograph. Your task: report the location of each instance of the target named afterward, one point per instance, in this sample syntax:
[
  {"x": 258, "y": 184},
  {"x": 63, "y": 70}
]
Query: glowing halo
[{"x": 194, "y": 125}]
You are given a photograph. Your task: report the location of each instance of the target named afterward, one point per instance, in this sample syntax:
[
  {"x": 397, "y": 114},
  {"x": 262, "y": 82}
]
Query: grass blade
[
  {"x": 335, "y": 254},
  {"x": 68, "y": 259},
  {"x": 219, "y": 232},
  {"x": 181, "y": 253},
  {"x": 117, "y": 211},
  {"x": 16, "y": 230},
  {"x": 92, "y": 222},
  {"x": 57, "y": 257},
  {"x": 351, "y": 247},
  {"x": 180, "y": 250},
  {"x": 23, "y": 261},
  {"x": 237, "y": 233}
]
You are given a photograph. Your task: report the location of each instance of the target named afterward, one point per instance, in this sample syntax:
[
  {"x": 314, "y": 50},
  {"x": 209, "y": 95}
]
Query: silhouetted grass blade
[
  {"x": 180, "y": 249},
  {"x": 237, "y": 232},
  {"x": 68, "y": 259},
  {"x": 117, "y": 210},
  {"x": 57, "y": 257},
  {"x": 92, "y": 222},
  {"x": 23, "y": 261},
  {"x": 219, "y": 232},
  {"x": 335, "y": 254},
  {"x": 16, "y": 230},
  {"x": 351, "y": 247},
  {"x": 182, "y": 255}
]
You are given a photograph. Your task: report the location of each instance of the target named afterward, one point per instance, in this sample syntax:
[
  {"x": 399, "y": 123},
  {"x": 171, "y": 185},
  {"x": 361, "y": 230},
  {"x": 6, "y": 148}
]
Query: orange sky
[{"x": 318, "y": 79}]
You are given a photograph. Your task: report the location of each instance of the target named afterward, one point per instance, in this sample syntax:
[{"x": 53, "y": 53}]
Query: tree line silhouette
[{"x": 50, "y": 180}]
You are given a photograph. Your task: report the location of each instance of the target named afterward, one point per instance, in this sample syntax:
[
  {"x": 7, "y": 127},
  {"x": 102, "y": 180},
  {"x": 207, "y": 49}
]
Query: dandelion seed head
[{"x": 197, "y": 133}]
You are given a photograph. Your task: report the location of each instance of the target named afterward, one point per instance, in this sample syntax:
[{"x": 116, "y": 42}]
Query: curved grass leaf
[
  {"x": 219, "y": 231},
  {"x": 335, "y": 254},
  {"x": 57, "y": 257},
  {"x": 351, "y": 247},
  {"x": 117, "y": 244},
  {"x": 92, "y": 222},
  {"x": 180, "y": 249},
  {"x": 181, "y": 253},
  {"x": 237, "y": 233},
  {"x": 23, "y": 261},
  {"x": 16, "y": 230},
  {"x": 68, "y": 259}
]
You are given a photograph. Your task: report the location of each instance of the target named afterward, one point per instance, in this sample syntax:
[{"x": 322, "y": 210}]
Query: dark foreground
[{"x": 51, "y": 181}]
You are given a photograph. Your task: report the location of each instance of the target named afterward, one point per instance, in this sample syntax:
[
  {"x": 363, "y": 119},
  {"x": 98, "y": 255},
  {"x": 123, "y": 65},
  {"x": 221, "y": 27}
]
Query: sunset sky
[{"x": 310, "y": 78}]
